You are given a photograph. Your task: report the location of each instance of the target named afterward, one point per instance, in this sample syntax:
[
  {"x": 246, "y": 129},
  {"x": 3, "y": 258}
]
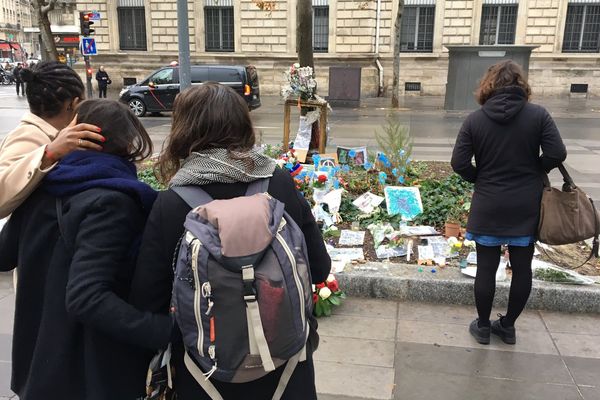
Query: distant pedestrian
[
  {"x": 45, "y": 135},
  {"x": 505, "y": 135},
  {"x": 74, "y": 241},
  {"x": 211, "y": 146},
  {"x": 103, "y": 82},
  {"x": 18, "y": 79}
]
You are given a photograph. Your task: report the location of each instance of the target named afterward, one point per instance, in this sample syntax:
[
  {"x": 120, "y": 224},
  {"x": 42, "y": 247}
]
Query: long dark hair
[
  {"x": 208, "y": 116},
  {"x": 125, "y": 135},
  {"x": 500, "y": 75},
  {"x": 49, "y": 85}
]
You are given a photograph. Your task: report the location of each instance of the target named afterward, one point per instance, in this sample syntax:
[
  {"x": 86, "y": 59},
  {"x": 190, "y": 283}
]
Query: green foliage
[
  {"x": 358, "y": 181},
  {"x": 146, "y": 175},
  {"x": 395, "y": 142},
  {"x": 379, "y": 216},
  {"x": 444, "y": 199},
  {"x": 348, "y": 211},
  {"x": 273, "y": 151}
]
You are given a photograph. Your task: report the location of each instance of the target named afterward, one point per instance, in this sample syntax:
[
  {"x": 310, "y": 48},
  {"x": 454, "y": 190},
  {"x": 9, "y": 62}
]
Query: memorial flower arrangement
[
  {"x": 327, "y": 295},
  {"x": 290, "y": 162},
  {"x": 300, "y": 83},
  {"x": 320, "y": 182}
]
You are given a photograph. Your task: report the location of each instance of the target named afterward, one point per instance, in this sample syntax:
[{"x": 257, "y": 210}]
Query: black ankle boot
[
  {"x": 508, "y": 335},
  {"x": 481, "y": 334}
]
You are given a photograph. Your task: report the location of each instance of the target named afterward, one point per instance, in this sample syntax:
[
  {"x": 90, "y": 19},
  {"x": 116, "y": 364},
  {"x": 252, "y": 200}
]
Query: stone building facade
[
  {"x": 136, "y": 36},
  {"x": 15, "y": 16}
]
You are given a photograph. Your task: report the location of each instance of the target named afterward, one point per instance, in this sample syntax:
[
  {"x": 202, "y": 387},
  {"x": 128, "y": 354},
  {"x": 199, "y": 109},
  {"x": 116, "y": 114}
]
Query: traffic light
[{"x": 84, "y": 20}]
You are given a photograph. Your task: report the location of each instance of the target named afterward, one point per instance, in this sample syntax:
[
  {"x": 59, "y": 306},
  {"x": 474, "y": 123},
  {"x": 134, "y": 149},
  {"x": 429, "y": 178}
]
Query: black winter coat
[
  {"x": 75, "y": 338},
  {"x": 505, "y": 136},
  {"x": 153, "y": 282},
  {"x": 102, "y": 78}
]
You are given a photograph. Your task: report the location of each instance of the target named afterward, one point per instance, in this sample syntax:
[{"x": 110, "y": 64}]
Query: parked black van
[{"x": 157, "y": 92}]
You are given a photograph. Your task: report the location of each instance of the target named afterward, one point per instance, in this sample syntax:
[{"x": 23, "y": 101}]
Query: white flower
[
  {"x": 314, "y": 288},
  {"x": 452, "y": 241},
  {"x": 330, "y": 278},
  {"x": 325, "y": 293},
  {"x": 469, "y": 243}
]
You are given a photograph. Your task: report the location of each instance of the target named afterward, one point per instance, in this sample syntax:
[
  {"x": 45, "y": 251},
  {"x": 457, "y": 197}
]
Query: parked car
[{"x": 157, "y": 92}]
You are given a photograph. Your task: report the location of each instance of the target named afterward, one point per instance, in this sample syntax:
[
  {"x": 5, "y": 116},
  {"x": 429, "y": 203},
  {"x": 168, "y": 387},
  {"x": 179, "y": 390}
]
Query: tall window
[
  {"x": 132, "y": 25},
  {"x": 498, "y": 24},
  {"x": 218, "y": 21},
  {"x": 582, "y": 29},
  {"x": 416, "y": 32},
  {"x": 320, "y": 26}
]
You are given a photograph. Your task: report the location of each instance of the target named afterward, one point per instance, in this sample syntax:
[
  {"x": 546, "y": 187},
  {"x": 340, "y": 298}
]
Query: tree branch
[{"x": 49, "y": 6}]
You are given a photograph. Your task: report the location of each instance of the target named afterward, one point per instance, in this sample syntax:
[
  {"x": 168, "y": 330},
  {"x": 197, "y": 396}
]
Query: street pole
[
  {"x": 183, "y": 31},
  {"x": 88, "y": 75}
]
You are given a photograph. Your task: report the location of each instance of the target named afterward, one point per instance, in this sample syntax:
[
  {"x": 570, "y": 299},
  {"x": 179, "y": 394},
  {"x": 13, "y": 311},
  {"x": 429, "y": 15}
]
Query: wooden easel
[{"x": 322, "y": 120}]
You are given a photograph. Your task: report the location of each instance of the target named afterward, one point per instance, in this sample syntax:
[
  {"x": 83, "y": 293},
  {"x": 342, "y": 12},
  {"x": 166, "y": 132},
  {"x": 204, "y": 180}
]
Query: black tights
[{"x": 488, "y": 259}]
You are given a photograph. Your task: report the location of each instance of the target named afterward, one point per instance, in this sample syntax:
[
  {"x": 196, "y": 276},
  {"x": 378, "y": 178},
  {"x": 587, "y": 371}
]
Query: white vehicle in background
[{"x": 32, "y": 61}]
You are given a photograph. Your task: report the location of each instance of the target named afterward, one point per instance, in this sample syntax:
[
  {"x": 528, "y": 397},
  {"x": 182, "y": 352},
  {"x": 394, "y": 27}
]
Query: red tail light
[{"x": 247, "y": 90}]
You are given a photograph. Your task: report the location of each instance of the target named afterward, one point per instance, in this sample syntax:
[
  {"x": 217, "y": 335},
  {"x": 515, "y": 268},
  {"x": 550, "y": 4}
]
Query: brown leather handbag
[{"x": 567, "y": 215}]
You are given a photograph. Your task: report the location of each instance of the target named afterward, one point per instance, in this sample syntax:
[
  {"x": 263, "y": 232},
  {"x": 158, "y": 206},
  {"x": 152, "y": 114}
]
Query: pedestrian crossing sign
[{"x": 88, "y": 47}]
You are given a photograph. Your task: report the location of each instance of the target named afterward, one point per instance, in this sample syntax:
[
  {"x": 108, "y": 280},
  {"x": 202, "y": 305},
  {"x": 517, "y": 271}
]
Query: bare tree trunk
[
  {"x": 42, "y": 8},
  {"x": 396, "y": 76},
  {"x": 305, "y": 33}
]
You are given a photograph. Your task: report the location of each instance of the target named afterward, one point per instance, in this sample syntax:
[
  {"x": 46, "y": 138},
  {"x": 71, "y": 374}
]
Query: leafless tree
[
  {"x": 42, "y": 8},
  {"x": 396, "y": 75}
]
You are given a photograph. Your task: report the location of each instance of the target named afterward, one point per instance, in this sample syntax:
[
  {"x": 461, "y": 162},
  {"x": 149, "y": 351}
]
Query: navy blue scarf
[{"x": 83, "y": 170}]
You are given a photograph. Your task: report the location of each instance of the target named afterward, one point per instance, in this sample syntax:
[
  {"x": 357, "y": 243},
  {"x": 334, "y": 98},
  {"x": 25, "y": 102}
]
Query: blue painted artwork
[{"x": 405, "y": 201}]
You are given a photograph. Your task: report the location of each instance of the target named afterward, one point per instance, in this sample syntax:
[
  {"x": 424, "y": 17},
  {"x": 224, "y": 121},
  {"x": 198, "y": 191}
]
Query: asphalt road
[{"x": 433, "y": 129}]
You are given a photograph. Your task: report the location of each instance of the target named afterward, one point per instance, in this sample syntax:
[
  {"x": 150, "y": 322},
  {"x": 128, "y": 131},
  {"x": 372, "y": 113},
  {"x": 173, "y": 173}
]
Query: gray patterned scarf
[{"x": 216, "y": 166}]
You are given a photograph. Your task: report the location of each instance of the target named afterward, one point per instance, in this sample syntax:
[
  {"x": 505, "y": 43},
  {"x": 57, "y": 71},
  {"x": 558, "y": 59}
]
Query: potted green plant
[{"x": 454, "y": 220}]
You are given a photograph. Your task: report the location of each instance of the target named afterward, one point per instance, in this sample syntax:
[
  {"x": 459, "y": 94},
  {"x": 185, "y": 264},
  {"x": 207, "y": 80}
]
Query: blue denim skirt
[{"x": 490, "y": 241}]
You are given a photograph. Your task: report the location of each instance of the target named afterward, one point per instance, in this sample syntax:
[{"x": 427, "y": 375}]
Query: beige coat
[{"x": 21, "y": 155}]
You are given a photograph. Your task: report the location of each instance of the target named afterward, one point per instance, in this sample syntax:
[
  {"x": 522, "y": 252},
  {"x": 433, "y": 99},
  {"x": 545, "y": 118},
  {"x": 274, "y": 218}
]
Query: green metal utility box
[{"x": 466, "y": 66}]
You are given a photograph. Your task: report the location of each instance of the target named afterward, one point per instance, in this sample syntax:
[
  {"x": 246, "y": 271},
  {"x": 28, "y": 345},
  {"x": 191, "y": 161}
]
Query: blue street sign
[
  {"x": 94, "y": 16},
  {"x": 88, "y": 47}
]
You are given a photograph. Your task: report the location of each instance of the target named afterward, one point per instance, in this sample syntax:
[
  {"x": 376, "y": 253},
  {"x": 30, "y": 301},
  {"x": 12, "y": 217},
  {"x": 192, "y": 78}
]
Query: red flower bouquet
[{"x": 326, "y": 296}]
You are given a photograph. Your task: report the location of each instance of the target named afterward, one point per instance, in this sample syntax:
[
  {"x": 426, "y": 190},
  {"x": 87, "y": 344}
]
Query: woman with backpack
[
  {"x": 211, "y": 146},
  {"x": 46, "y": 134},
  {"x": 506, "y": 137},
  {"x": 75, "y": 241}
]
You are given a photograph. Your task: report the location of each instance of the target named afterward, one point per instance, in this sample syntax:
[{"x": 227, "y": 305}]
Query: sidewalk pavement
[{"x": 379, "y": 349}]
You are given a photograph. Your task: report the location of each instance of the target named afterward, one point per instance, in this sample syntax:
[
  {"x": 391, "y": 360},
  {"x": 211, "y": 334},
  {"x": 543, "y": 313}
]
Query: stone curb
[{"x": 448, "y": 286}]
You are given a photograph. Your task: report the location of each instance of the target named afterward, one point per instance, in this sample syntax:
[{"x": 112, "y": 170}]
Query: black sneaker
[
  {"x": 508, "y": 335},
  {"x": 481, "y": 334}
]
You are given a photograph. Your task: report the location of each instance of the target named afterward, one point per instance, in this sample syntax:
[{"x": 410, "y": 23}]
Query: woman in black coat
[
  {"x": 214, "y": 120},
  {"x": 505, "y": 136},
  {"x": 74, "y": 241}
]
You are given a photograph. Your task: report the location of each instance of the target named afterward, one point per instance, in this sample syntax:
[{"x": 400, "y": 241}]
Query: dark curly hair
[
  {"x": 500, "y": 75},
  {"x": 49, "y": 85}
]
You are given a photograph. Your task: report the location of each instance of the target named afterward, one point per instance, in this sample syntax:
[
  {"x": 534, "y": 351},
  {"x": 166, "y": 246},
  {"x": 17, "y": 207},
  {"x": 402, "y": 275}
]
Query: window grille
[
  {"x": 321, "y": 29},
  {"x": 498, "y": 24},
  {"x": 132, "y": 28},
  {"x": 219, "y": 28},
  {"x": 416, "y": 32},
  {"x": 582, "y": 29}
]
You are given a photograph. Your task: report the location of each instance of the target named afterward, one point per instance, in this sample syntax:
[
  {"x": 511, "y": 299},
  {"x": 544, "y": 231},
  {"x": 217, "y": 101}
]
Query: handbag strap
[{"x": 568, "y": 183}]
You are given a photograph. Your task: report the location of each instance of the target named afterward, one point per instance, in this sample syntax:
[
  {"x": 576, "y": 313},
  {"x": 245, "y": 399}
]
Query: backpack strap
[
  {"x": 193, "y": 195},
  {"x": 258, "y": 186},
  {"x": 258, "y": 342},
  {"x": 214, "y": 394}
]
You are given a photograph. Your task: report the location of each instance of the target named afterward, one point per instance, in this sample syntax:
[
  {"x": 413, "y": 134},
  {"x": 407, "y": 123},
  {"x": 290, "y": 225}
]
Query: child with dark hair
[
  {"x": 75, "y": 243},
  {"x": 46, "y": 134}
]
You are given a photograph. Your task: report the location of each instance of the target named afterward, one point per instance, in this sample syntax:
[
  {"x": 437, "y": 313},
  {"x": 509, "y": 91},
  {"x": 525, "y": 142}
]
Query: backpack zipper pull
[{"x": 207, "y": 294}]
